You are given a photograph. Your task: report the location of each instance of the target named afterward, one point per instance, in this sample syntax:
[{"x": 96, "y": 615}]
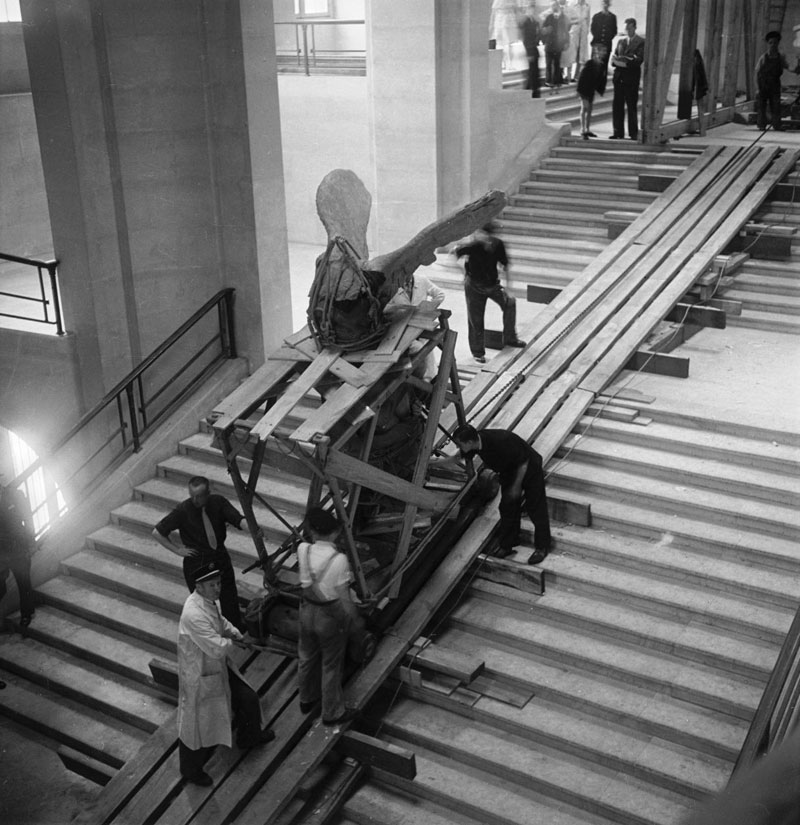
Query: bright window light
[
  {"x": 312, "y": 8},
  {"x": 9, "y": 11},
  {"x": 22, "y": 456}
]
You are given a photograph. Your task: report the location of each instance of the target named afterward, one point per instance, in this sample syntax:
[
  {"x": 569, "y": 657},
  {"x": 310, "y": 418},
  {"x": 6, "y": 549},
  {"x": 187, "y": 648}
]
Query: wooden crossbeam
[
  {"x": 658, "y": 363},
  {"x": 542, "y": 294},
  {"x": 704, "y": 316},
  {"x": 450, "y": 662},
  {"x": 375, "y": 753}
]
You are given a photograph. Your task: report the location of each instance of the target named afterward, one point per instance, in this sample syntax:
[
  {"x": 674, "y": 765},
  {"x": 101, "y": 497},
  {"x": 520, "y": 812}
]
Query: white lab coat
[{"x": 205, "y": 638}]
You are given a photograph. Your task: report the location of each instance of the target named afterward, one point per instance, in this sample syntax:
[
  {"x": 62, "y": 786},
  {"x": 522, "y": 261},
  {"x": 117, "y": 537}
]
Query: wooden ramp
[{"x": 583, "y": 339}]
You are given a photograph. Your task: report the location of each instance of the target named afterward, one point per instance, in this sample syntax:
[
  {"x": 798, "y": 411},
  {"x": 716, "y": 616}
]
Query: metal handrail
[
  {"x": 307, "y": 55},
  {"x": 51, "y": 267},
  {"x": 776, "y": 714},
  {"x": 133, "y": 407}
]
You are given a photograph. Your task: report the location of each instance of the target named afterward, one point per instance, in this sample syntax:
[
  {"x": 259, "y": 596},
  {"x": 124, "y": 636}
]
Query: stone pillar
[
  {"x": 159, "y": 131},
  {"x": 427, "y": 80}
]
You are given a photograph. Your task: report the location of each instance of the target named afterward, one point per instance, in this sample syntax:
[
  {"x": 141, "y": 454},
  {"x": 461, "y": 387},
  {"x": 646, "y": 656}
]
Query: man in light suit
[{"x": 627, "y": 62}]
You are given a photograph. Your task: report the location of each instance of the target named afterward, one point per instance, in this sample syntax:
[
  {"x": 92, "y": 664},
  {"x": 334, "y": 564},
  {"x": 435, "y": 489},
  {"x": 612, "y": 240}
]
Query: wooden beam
[
  {"x": 442, "y": 660},
  {"x": 652, "y": 105},
  {"x": 700, "y": 315},
  {"x": 542, "y": 294},
  {"x": 348, "y": 468},
  {"x": 570, "y": 512},
  {"x": 374, "y": 753},
  {"x": 734, "y": 20},
  {"x": 654, "y": 182},
  {"x": 688, "y": 46},
  {"x": 658, "y": 363},
  {"x": 164, "y": 673},
  {"x": 343, "y": 784},
  {"x": 519, "y": 576},
  {"x": 85, "y": 766}
]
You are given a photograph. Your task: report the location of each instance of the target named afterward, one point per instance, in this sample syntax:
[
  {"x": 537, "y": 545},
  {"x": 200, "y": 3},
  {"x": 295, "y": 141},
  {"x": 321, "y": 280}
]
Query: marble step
[
  {"x": 786, "y": 305},
  {"x": 376, "y": 804},
  {"x": 766, "y": 321},
  {"x": 546, "y": 191}
]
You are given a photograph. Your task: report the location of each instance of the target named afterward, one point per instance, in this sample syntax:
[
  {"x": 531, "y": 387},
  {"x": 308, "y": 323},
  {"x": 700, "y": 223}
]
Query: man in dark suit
[
  {"x": 627, "y": 63},
  {"x": 604, "y": 29}
]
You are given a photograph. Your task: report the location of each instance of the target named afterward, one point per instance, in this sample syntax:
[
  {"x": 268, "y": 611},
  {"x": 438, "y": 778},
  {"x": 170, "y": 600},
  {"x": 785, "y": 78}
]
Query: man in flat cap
[
  {"x": 213, "y": 696},
  {"x": 769, "y": 69}
]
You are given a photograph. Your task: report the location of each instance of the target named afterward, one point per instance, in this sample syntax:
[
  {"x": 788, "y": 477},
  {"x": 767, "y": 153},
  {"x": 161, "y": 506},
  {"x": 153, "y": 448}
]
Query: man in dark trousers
[
  {"x": 627, "y": 62},
  {"x": 17, "y": 542},
  {"x": 531, "y": 34},
  {"x": 604, "y": 29},
  {"x": 484, "y": 253},
  {"x": 769, "y": 69},
  {"x": 521, "y": 477},
  {"x": 201, "y": 521}
]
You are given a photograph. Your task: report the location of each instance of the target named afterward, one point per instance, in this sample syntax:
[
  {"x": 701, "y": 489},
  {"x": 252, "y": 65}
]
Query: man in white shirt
[
  {"x": 327, "y": 614},
  {"x": 213, "y": 696}
]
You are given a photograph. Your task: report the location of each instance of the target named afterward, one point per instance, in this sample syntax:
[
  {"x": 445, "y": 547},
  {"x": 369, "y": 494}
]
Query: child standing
[{"x": 591, "y": 79}]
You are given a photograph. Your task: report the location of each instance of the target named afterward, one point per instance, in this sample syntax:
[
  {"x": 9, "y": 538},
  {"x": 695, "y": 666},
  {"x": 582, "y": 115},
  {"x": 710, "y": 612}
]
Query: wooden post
[
  {"x": 651, "y": 112},
  {"x": 733, "y": 52},
  {"x": 691, "y": 17},
  {"x": 750, "y": 39}
]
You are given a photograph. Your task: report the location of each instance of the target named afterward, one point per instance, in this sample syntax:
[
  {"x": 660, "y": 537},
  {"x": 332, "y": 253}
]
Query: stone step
[
  {"x": 602, "y": 742},
  {"x": 545, "y": 191},
  {"x": 723, "y": 692},
  {"x": 695, "y": 534},
  {"x": 143, "y": 551},
  {"x": 598, "y": 177},
  {"x": 66, "y": 723},
  {"x": 533, "y": 241},
  {"x": 376, "y": 804},
  {"x": 558, "y": 216},
  {"x": 556, "y": 231},
  {"x": 597, "y": 483},
  {"x": 84, "y": 683},
  {"x": 107, "y": 609},
  {"x": 573, "y": 203},
  {"x": 705, "y": 473},
  {"x": 750, "y": 453},
  {"x": 683, "y": 636},
  {"x": 756, "y": 282},
  {"x": 741, "y": 579},
  {"x": 490, "y": 801},
  {"x": 624, "y": 167},
  {"x": 779, "y": 304},
  {"x": 157, "y": 590},
  {"x": 88, "y": 641},
  {"x": 766, "y": 321},
  {"x": 569, "y": 780},
  {"x": 580, "y": 152},
  {"x": 627, "y": 704}
]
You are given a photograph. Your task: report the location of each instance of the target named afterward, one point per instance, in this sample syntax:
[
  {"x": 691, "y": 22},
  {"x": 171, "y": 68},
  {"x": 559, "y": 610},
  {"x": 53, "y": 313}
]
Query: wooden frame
[{"x": 673, "y": 33}]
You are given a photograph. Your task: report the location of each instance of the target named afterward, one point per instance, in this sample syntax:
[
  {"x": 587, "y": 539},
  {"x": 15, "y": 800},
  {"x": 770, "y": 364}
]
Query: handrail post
[
  {"x": 134, "y": 420},
  {"x": 230, "y": 337},
  {"x": 51, "y": 269}
]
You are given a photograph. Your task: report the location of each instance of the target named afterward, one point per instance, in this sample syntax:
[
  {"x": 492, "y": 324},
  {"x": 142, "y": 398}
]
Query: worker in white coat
[{"x": 213, "y": 696}]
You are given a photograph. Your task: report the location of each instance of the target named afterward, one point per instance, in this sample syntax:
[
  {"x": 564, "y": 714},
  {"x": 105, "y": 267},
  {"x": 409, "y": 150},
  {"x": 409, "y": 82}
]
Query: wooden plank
[
  {"x": 570, "y": 512},
  {"x": 519, "y": 576},
  {"x": 542, "y": 294},
  {"x": 612, "y": 413},
  {"x": 604, "y": 372},
  {"x": 658, "y": 363},
  {"x": 627, "y": 394},
  {"x": 344, "y": 783},
  {"x": 563, "y": 422},
  {"x": 733, "y": 38},
  {"x": 367, "y": 750},
  {"x": 164, "y": 673},
  {"x": 493, "y": 339},
  {"x": 250, "y": 393},
  {"x": 273, "y": 797},
  {"x": 700, "y": 315},
  {"x": 688, "y": 45},
  {"x": 441, "y": 660},
  {"x": 727, "y": 306},
  {"x": 494, "y": 688},
  {"x": 293, "y": 394},
  {"x": 351, "y": 469},
  {"x": 648, "y": 182}
]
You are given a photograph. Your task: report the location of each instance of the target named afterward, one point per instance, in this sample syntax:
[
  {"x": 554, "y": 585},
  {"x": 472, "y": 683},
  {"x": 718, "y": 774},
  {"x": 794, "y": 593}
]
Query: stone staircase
[
  {"x": 623, "y": 694},
  {"x": 555, "y": 225}
]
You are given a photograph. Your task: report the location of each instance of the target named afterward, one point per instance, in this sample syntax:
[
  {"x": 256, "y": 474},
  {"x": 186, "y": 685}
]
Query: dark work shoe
[
  {"x": 24, "y": 621},
  {"x": 516, "y": 343},
  {"x": 504, "y": 552},
  {"x": 309, "y": 707},
  {"x": 616, "y": 137},
  {"x": 347, "y": 716},
  {"x": 481, "y": 359},
  {"x": 265, "y": 736},
  {"x": 537, "y": 557},
  {"x": 201, "y": 778},
  {"x": 590, "y": 134}
]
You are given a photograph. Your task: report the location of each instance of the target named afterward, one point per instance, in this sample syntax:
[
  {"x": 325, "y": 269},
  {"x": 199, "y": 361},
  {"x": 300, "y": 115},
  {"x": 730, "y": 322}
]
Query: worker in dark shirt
[
  {"x": 484, "y": 252},
  {"x": 17, "y": 542},
  {"x": 201, "y": 521},
  {"x": 521, "y": 483},
  {"x": 604, "y": 29}
]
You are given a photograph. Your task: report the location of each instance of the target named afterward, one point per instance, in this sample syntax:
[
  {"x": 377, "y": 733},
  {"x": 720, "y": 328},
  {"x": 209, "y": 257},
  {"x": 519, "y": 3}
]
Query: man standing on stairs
[
  {"x": 17, "y": 542},
  {"x": 213, "y": 696},
  {"x": 201, "y": 521},
  {"x": 627, "y": 62},
  {"x": 604, "y": 29},
  {"x": 484, "y": 252},
  {"x": 521, "y": 484}
]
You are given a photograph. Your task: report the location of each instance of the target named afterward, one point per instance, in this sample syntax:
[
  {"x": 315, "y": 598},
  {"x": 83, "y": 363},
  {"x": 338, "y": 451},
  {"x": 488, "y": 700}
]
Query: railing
[
  {"x": 778, "y": 711},
  {"x": 308, "y": 54},
  {"x": 119, "y": 422},
  {"x": 50, "y": 282}
]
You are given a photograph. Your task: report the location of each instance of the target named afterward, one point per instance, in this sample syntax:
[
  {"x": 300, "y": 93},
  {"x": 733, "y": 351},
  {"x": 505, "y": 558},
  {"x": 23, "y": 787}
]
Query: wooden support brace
[
  {"x": 85, "y": 766},
  {"x": 441, "y": 660},
  {"x": 493, "y": 339},
  {"x": 375, "y": 753},
  {"x": 493, "y": 688},
  {"x": 613, "y": 413},
  {"x": 570, "y": 512},
  {"x": 342, "y": 785},
  {"x": 658, "y": 363},
  {"x": 654, "y": 182},
  {"x": 764, "y": 241},
  {"x": 699, "y": 315},
  {"x": 542, "y": 294},
  {"x": 519, "y": 576},
  {"x": 165, "y": 674}
]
